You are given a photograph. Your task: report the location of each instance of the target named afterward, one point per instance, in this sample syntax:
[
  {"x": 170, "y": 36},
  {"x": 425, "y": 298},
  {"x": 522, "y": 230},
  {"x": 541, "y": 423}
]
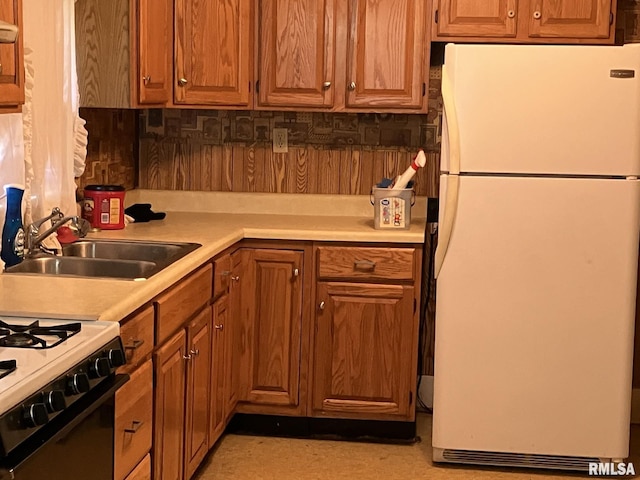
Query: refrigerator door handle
[
  {"x": 446, "y": 224},
  {"x": 453, "y": 125},
  {"x": 453, "y": 180}
]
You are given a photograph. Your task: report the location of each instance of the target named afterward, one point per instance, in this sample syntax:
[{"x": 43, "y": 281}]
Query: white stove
[{"x": 37, "y": 365}]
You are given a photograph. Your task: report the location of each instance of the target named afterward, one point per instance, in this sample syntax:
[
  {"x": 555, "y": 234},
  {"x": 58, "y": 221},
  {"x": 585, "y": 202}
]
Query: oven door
[{"x": 76, "y": 444}]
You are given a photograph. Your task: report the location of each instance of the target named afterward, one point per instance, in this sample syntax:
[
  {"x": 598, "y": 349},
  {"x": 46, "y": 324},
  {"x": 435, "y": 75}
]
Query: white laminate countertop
[{"x": 107, "y": 299}]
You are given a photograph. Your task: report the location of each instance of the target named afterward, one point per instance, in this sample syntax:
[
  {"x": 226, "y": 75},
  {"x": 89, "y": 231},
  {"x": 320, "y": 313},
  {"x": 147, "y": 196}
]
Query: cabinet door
[
  {"x": 570, "y": 18},
  {"x": 213, "y": 52},
  {"x": 387, "y": 55},
  {"x": 155, "y": 51},
  {"x": 218, "y": 397},
  {"x": 198, "y": 390},
  {"x": 297, "y": 51},
  {"x": 169, "y": 409},
  {"x": 231, "y": 337},
  {"x": 363, "y": 365},
  {"x": 271, "y": 319},
  {"x": 11, "y": 64},
  {"x": 471, "y": 18}
]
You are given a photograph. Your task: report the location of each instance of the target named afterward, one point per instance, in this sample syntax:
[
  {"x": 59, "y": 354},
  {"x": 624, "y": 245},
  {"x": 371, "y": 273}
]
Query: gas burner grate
[
  {"x": 36, "y": 336},
  {"x": 7, "y": 367}
]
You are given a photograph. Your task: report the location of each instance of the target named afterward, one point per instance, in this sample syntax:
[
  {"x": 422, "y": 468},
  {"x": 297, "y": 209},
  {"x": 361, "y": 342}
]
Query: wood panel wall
[{"x": 255, "y": 168}]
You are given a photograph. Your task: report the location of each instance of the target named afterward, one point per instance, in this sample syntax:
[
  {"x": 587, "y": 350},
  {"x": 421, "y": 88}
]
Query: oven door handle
[{"x": 70, "y": 418}]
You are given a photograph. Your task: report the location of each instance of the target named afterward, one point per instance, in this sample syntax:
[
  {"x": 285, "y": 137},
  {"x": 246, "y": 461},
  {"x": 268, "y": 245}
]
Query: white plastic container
[{"x": 392, "y": 208}]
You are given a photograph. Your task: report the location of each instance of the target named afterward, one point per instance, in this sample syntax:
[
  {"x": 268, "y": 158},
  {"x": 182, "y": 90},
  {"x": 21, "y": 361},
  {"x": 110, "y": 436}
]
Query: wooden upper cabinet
[
  {"x": 11, "y": 63},
  {"x": 571, "y": 18},
  {"x": 388, "y": 54},
  {"x": 124, "y": 52},
  {"x": 297, "y": 53},
  {"x": 524, "y": 21},
  {"x": 213, "y": 52},
  {"x": 155, "y": 51},
  {"x": 486, "y": 18}
]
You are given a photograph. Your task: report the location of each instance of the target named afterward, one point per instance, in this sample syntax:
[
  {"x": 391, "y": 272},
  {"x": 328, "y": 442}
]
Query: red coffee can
[{"x": 103, "y": 206}]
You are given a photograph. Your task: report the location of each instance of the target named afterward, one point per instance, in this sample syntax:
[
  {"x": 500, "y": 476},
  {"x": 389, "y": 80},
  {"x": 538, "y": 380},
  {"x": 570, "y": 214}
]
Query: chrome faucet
[{"x": 34, "y": 238}]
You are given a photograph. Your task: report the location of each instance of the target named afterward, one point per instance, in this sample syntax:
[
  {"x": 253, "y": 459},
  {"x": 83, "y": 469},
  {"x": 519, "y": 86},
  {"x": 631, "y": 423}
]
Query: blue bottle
[{"x": 12, "y": 251}]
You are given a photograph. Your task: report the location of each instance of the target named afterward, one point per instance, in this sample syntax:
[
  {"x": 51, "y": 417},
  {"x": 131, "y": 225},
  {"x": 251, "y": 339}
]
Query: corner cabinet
[
  {"x": 270, "y": 329},
  {"x": 213, "y": 52},
  {"x": 129, "y": 69},
  {"x": 302, "y": 62},
  {"x": 365, "y": 334},
  {"x": 525, "y": 21},
  {"x": 11, "y": 60}
]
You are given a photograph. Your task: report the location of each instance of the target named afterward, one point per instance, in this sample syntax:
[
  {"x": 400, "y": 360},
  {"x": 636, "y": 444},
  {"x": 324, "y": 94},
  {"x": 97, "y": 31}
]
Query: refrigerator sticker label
[{"x": 392, "y": 212}]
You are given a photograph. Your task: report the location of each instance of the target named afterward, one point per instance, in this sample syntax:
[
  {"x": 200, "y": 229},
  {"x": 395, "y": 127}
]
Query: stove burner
[
  {"x": 7, "y": 366},
  {"x": 18, "y": 340},
  {"x": 35, "y": 336}
]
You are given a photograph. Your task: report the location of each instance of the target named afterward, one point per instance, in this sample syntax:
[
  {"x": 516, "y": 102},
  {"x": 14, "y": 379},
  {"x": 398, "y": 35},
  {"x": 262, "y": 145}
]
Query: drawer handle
[
  {"x": 364, "y": 265},
  {"x": 195, "y": 352},
  {"x": 136, "y": 344},
  {"x": 187, "y": 357},
  {"x": 219, "y": 327},
  {"x": 235, "y": 278},
  {"x": 135, "y": 426}
]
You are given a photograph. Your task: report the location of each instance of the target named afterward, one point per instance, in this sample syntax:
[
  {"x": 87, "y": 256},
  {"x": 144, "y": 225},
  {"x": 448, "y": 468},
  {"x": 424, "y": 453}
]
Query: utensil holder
[{"x": 392, "y": 208}]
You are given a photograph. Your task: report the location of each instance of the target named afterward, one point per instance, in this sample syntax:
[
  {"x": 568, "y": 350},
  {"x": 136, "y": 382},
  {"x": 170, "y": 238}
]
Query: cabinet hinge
[
  {"x": 436, "y": 16},
  {"x": 257, "y": 86},
  {"x": 424, "y": 89},
  {"x": 610, "y": 18},
  {"x": 410, "y": 398}
]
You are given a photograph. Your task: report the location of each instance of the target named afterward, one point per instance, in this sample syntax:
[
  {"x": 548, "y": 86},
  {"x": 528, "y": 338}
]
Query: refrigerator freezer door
[
  {"x": 546, "y": 109},
  {"x": 535, "y": 317}
]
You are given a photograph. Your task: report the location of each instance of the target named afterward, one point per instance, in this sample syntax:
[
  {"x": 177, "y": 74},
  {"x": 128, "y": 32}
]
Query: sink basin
[
  {"x": 121, "y": 259},
  {"x": 161, "y": 253},
  {"x": 85, "y": 267}
]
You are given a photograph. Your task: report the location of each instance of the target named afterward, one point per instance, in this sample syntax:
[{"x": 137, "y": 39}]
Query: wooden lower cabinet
[
  {"x": 197, "y": 396},
  {"x": 133, "y": 421},
  {"x": 270, "y": 328},
  {"x": 364, "y": 351},
  {"x": 217, "y": 395},
  {"x": 169, "y": 409},
  {"x": 142, "y": 471}
]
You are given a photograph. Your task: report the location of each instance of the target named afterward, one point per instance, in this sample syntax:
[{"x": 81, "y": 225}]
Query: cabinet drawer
[
  {"x": 366, "y": 263},
  {"x": 133, "y": 420},
  {"x": 142, "y": 471},
  {"x": 222, "y": 275},
  {"x": 137, "y": 338},
  {"x": 174, "y": 307}
]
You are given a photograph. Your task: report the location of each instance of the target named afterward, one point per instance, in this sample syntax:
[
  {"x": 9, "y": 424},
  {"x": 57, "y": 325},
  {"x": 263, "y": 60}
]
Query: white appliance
[{"x": 537, "y": 257}]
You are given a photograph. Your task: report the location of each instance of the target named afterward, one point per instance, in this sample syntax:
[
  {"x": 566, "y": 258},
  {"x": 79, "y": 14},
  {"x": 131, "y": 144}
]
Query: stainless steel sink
[
  {"x": 123, "y": 259},
  {"x": 158, "y": 252},
  {"x": 85, "y": 267}
]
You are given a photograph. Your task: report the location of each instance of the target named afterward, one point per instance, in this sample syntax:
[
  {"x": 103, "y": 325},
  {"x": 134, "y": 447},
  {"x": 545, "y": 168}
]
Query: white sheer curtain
[{"x": 54, "y": 135}]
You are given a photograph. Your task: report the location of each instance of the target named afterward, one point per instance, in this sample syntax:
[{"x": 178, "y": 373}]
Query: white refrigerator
[{"x": 537, "y": 255}]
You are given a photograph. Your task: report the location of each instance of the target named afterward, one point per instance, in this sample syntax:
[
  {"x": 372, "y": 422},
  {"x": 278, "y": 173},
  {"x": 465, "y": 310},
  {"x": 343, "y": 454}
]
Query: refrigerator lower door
[{"x": 535, "y": 318}]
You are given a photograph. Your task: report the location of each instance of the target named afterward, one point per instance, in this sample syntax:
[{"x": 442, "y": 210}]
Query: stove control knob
[
  {"x": 100, "y": 367},
  {"x": 54, "y": 401},
  {"x": 79, "y": 383},
  {"x": 36, "y": 415},
  {"x": 116, "y": 358}
]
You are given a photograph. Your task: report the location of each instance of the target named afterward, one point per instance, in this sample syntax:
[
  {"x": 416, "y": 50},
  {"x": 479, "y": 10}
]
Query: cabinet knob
[
  {"x": 537, "y": 15},
  {"x": 187, "y": 357},
  {"x": 352, "y": 86},
  {"x": 235, "y": 278},
  {"x": 182, "y": 82},
  {"x": 296, "y": 272},
  {"x": 195, "y": 352},
  {"x": 321, "y": 306},
  {"x": 511, "y": 13},
  {"x": 219, "y": 327},
  {"x": 326, "y": 85},
  {"x": 146, "y": 79}
]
